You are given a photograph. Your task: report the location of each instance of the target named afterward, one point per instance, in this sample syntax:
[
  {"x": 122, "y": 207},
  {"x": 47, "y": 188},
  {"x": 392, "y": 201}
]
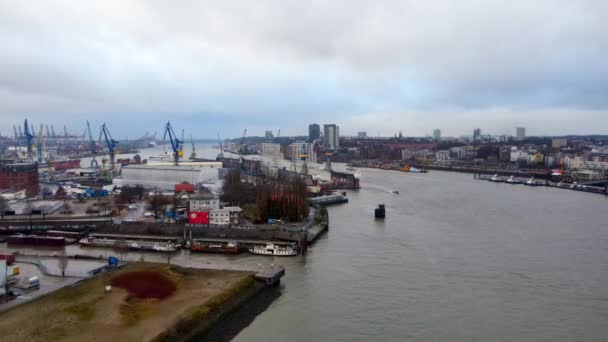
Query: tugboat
[{"x": 380, "y": 212}]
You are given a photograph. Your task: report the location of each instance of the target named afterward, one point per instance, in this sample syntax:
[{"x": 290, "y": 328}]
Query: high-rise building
[
  {"x": 520, "y": 133},
  {"x": 269, "y": 135},
  {"x": 437, "y": 134},
  {"x": 314, "y": 132},
  {"x": 476, "y": 134},
  {"x": 361, "y": 135},
  {"x": 331, "y": 136}
]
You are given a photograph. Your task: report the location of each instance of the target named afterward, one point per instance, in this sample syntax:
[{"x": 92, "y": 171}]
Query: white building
[
  {"x": 519, "y": 155},
  {"x": 437, "y": 134},
  {"x": 271, "y": 151},
  {"x": 331, "y": 136},
  {"x": 520, "y": 133},
  {"x": 442, "y": 155},
  {"x": 204, "y": 204},
  {"x": 164, "y": 177},
  {"x": 226, "y": 216}
]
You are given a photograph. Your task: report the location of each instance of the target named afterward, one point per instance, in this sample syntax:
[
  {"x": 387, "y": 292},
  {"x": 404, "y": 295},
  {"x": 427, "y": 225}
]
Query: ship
[
  {"x": 228, "y": 247},
  {"x": 35, "y": 240},
  {"x": 274, "y": 250},
  {"x": 496, "y": 179},
  {"x": 380, "y": 212},
  {"x": 65, "y": 164},
  {"x": 344, "y": 180}
]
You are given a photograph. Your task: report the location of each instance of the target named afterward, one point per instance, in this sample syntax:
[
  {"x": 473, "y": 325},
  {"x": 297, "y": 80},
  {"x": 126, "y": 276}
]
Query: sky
[{"x": 376, "y": 66}]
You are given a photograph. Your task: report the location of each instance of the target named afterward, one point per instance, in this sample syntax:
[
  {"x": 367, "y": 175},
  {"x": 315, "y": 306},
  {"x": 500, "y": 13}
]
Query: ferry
[
  {"x": 513, "y": 180},
  {"x": 274, "y": 250},
  {"x": 164, "y": 247}
]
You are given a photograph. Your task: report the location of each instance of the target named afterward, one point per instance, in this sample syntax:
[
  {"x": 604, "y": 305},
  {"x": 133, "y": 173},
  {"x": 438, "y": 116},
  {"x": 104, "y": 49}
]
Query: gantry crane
[
  {"x": 176, "y": 144},
  {"x": 110, "y": 143},
  {"x": 29, "y": 140}
]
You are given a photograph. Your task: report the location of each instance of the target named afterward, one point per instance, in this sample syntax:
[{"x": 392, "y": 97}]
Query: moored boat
[
  {"x": 228, "y": 247},
  {"x": 496, "y": 179},
  {"x": 274, "y": 250},
  {"x": 533, "y": 182},
  {"x": 513, "y": 180}
]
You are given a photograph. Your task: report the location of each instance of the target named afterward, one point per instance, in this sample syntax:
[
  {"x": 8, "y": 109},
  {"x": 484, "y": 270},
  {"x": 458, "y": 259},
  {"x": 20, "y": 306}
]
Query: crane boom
[{"x": 29, "y": 140}]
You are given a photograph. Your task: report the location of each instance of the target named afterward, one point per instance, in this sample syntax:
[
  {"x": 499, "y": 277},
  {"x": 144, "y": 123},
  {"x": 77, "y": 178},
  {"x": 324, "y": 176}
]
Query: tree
[
  {"x": 60, "y": 193},
  {"x": 158, "y": 201},
  {"x": 62, "y": 262},
  {"x": 3, "y": 206},
  {"x": 121, "y": 247}
]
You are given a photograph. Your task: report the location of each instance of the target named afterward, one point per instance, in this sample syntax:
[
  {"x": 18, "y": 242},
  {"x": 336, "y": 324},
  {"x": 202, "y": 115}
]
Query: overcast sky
[{"x": 375, "y": 66}]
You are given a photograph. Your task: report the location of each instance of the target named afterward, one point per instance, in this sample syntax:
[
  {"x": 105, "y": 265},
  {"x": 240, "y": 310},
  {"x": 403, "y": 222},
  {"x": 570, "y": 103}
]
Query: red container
[
  {"x": 10, "y": 258},
  {"x": 198, "y": 217}
]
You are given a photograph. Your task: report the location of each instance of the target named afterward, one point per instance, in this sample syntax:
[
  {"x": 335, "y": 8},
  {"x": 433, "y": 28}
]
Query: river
[{"x": 455, "y": 260}]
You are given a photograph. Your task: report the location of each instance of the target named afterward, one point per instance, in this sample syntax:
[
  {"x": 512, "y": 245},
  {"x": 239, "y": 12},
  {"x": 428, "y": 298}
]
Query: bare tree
[
  {"x": 62, "y": 262},
  {"x": 121, "y": 247}
]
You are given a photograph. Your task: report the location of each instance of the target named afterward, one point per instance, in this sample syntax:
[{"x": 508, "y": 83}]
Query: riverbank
[{"x": 183, "y": 302}]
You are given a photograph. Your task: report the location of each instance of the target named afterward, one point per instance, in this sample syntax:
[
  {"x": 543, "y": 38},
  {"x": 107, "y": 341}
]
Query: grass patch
[{"x": 83, "y": 311}]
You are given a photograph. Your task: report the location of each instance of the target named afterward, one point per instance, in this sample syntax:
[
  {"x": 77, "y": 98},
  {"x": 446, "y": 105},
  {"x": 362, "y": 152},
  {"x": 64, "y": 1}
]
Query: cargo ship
[
  {"x": 35, "y": 240},
  {"x": 203, "y": 246},
  {"x": 66, "y": 164}
]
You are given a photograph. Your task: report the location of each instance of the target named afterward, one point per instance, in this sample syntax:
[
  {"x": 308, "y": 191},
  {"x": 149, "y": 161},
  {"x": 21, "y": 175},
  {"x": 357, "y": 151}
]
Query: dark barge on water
[{"x": 380, "y": 212}]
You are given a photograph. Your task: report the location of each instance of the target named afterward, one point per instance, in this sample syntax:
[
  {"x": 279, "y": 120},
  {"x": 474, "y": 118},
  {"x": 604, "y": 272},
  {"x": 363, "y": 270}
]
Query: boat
[
  {"x": 380, "y": 212},
  {"x": 350, "y": 168},
  {"x": 533, "y": 182},
  {"x": 229, "y": 247},
  {"x": 164, "y": 247},
  {"x": 496, "y": 179},
  {"x": 415, "y": 170},
  {"x": 395, "y": 192},
  {"x": 135, "y": 245},
  {"x": 513, "y": 180},
  {"x": 274, "y": 250}
]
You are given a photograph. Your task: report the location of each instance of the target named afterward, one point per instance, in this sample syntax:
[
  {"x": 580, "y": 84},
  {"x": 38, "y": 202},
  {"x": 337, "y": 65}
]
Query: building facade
[
  {"x": 314, "y": 132},
  {"x": 437, "y": 134},
  {"x": 331, "y": 136},
  {"x": 520, "y": 133},
  {"x": 20, "y": 176}
]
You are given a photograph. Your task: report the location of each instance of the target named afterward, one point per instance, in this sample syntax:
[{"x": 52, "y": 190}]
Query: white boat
[
  {"x": 274, "y": 250},
  {"x": 513, "y": 180},
  {"x": 496, "y": 179},
  {"x": 164, "y": 247},
  {"x": 533, "y": 182}
]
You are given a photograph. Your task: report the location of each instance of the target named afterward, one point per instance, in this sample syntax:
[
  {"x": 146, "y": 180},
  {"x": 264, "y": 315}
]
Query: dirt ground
[{"x": 86, "y": 313}]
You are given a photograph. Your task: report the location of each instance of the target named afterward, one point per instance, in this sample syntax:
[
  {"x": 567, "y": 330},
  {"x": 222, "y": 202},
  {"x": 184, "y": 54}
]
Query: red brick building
[{"x": 20, "y": 176}]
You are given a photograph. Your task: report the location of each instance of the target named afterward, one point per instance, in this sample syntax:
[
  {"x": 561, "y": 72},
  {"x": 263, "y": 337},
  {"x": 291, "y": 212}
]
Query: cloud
[{"x": 228, "y": 65}]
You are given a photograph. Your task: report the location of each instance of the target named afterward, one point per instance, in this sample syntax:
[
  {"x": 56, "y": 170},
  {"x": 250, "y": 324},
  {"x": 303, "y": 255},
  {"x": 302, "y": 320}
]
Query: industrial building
[
  {"x": 164, "y": 177},
  {"x": 20, "y": 176}
]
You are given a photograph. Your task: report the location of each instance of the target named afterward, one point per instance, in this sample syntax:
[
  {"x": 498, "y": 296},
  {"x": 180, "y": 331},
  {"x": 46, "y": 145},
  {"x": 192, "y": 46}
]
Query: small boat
[
  {"x": 395, "y": 192},
  {"x": 496, "y": 179},
  {"x": 533, "y": 182},
  {"x": 380, "y": 212},
  {"x": 135, "y": 245},
  {"x": 513, "y": 180},
  {"x": 274, "y": 250},
  {"x": 165, "y": 247},
  {"x": 350, "y": 168}
]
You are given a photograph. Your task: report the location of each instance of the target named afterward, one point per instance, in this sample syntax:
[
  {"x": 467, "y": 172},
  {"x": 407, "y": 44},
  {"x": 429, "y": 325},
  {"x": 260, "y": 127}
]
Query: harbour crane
[
  {"x": 176, "y": 144},
  {"x": 39, "y": 143},
  {"x": 220, "y": 156},
  {"x": 193, "y": 153},
  {"x": 94, "y": 162},
  {"x": 29, "y": 140},
  {"x": 92, "y": 142},
  {"x": 110, "y": 143}
]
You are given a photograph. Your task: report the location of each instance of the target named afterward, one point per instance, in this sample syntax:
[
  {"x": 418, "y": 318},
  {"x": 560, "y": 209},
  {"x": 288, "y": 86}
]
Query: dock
[{"x": 269, "y": 275}]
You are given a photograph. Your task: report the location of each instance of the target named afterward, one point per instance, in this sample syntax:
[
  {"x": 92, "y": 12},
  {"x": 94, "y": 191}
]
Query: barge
[{"x": 204, "y": 246}]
